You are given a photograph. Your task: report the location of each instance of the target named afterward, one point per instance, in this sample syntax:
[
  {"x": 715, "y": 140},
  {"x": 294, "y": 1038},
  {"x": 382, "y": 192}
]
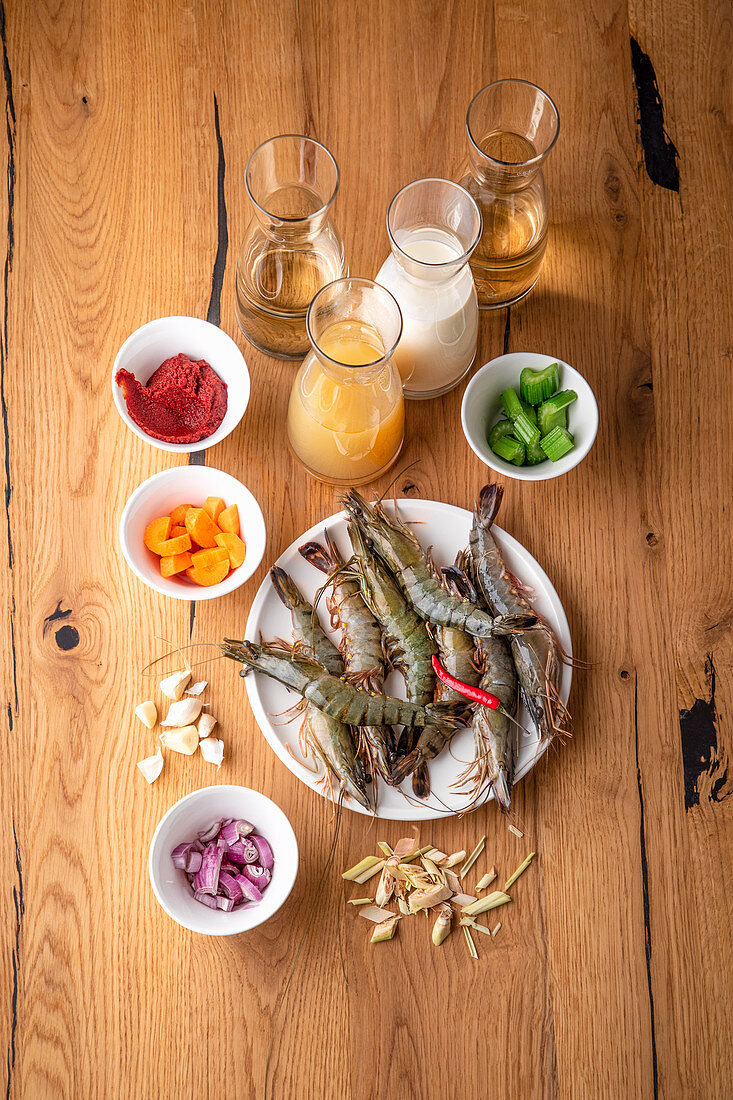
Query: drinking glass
[
  {"x": 433, "y": 226},
  {"x": 346, "y": 417},
  {"x": 512, "y": 126},
  {"x": 291, "y": 248}
]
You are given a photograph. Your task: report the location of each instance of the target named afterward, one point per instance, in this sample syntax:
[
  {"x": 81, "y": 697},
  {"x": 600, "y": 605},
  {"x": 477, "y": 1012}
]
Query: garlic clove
[
  {"x": 184, "y": 740},
  {"x": 173, "y": 685},
  {"x": 206, "y": 725},
  {"x": 212, "y": 750},
  {"x": 147, "y": 712},
  {"x": 183, "y": 712},
  {"x": 152, "y": 766}
]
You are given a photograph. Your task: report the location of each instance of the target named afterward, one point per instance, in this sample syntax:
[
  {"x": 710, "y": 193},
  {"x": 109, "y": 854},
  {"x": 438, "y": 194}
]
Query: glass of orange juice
[{"x": 346, "y": 418}]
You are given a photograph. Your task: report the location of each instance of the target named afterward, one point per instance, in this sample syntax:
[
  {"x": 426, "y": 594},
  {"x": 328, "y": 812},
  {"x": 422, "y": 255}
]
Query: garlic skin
[
  {"x": 206, "y": 725},
  {"x": 151, "y": 767},
  {"x": 184, "y": 740},
  {"x": 198, "y": 688},
  {"x": 173, "y": 685},
  {"x": 147, "y": 712},
  {"x": 212, "y": 750},
  {"x": 183, "y": 712}
]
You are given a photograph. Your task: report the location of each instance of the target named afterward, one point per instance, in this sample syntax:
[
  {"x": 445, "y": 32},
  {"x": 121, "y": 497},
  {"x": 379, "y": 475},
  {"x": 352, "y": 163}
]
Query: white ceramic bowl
[
  {"x": 194, "y": 813},
  {"x": 158, "y": 496},
  {"x": 153, "y": 343},
  {"x": 481, "y": 408}
]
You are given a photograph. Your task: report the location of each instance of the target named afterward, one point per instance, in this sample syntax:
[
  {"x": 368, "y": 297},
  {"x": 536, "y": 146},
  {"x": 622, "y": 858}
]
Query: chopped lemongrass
[
  {"x": 366, "y": 875},
  {"x": 429, "y": 897},
  {"x": 384, "y": 848},
  {"x": 491, "y": 901},
  {"x": 452, "y": 860},
  {"x": 435, "y": 855},
  {"x": 386, "y": 886},
  {"x": 453, "y": 881},
  {"x": 469, "y": 922},
  {"x": 375, "y": 913},
  {"x": 515, "y": 830},
  {"x": 496, "y": 928},
  {"x": 473, "y": 857},
  {"x": 385, "y": 930},
  {"x": 485, "y": 881},
  {"x": 363, "y": 865},
  {"x": 442, "y": 926},
  {"x": 520, "y": 869},
  {"x": 360, "y": 901},
  {"x": 431, "y": 868},
  {"x": 462, "y": 899},
  {"x": 402, "y": 904},
  {"x": 471, "y": 945}
]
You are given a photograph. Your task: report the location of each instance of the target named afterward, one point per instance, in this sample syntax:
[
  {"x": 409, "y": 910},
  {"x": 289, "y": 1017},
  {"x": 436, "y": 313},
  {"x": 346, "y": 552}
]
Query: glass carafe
[
  {"x": 433, "y": 226},
  {"x": 291, "y": 248},
  {"x": 346, "y": 418},
  {"x": 512, "y": 126}
]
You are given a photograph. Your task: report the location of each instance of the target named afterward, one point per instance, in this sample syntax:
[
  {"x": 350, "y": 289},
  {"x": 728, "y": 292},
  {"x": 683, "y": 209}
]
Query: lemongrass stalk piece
[
  {"x": 435, "y": 854},
  {"x": 360, "y": 901},
  {"x": 462, "y": 899},
  {"x": 429, "y": 897},
  {"x": 386, "y": 930},
  {"x": 471, "y": 945},
  {"x": 442, "y": 926},
  {"x": 375, "y": 913},
  {"x": 491, "y": 901},
  {"x": 451, "y": 879},
  {"x": 384, "y": 848},
  {"x": 364, "y": 864},
  {"x": 484, "y": 882},
  {"x": 496, "y": 928},
  {"x": 520, "y": 870},
  {"x": 473, "y": 857},
  {"x": 515, "y": 830},
  {"x": 452, "y": 860},
  {"x": 469, "y": 922},
  {"x": 172, "y": 686},
  {"x": 147, "y": 712},
  {"x": 370, "y": 873},
  {"x": 385, "y": 889}
]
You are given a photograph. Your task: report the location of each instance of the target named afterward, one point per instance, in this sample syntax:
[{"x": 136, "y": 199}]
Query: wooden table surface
[{"x": 128, "y": 127}]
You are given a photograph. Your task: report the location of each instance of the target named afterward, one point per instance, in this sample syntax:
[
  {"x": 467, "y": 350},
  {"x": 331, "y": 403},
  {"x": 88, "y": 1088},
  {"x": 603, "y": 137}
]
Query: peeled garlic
[
  {"x": 152, "y": 766},
  {"x": 197, "y": 688},
  {"x": 173, "y": 685},
  {"x": 212, "y": 750},
  {"x": 147, "y": 713},
  {"x": 206, "y": 725},
  {"x": 183, "y": 740},
  {"x": 183, "y": 712}
]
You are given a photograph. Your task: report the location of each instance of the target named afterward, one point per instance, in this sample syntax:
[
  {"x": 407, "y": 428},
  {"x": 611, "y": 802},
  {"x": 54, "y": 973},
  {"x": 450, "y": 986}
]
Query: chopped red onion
[
  {"x": 266, "y": 858},
  {"x": 258, "y": 875},
  {"x": 249, "y": 889},
  {"x": 235, "y": 830},
  {"x": 226, "y": 868},
  {"x": 207, "y": 878}
]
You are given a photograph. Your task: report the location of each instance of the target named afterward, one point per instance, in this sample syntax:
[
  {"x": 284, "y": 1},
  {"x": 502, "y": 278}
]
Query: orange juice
[{"x": 346, "y": 416}]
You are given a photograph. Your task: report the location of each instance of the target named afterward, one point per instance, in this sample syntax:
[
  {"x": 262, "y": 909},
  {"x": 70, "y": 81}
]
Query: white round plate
[{"x": 446, "y": 528}]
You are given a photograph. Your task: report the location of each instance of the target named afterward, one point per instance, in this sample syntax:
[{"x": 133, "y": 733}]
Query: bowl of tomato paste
[{"x": 180, "y": 383}]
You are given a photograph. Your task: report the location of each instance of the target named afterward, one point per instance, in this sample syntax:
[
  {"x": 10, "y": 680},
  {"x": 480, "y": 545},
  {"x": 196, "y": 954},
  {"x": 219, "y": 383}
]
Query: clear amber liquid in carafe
[{"x": 508, "y": 258}]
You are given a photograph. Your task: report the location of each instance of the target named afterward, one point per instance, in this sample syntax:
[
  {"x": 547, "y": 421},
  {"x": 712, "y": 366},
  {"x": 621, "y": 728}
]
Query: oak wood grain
[{"x": 611, "y": 975}]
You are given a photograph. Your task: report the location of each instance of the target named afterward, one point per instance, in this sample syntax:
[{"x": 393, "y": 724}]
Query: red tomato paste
[{"x": 183, "y": 401}]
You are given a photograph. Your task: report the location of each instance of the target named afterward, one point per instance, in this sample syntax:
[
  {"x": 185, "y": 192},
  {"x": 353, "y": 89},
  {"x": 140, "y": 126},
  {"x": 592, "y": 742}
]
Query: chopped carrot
[
  {"x": 201, "y": 527},
  {"x": 228, "y": 520},
  {"x": 205, "y": 558},
  {"x": 175, "y": 563},
  {"x": 156, "y": 533},
  {"x": 178, "y": 545},
  {"x": 177, "y": 530},
  {"x": 234, "y": 546},
  {"x": 214, "y": 506},
  {"x": 208, "y": 575},
  {"x": 178, "y": 515}
]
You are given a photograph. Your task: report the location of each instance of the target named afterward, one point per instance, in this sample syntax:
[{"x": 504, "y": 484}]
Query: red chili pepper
[{"x": 476, "y": 695}]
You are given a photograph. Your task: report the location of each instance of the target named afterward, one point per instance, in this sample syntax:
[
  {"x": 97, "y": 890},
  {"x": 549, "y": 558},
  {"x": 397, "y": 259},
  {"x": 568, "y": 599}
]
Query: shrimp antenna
[
  {"x": 148, "y": 669},
  {"x": 395, "y": 479}
]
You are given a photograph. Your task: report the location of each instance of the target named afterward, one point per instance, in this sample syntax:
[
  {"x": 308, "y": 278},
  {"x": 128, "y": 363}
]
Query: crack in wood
[
  {"x": 660, "y": 153},
  {"x": 507, "y": 329},
  {"x": 19, "y": 903},
  {"x": 645, "y": 895},
  {"x": 213, "y": 313}
]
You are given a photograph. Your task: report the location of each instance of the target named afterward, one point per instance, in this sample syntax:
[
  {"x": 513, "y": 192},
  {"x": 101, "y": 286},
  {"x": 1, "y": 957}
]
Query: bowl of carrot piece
[{"x": 193, "y": 532}]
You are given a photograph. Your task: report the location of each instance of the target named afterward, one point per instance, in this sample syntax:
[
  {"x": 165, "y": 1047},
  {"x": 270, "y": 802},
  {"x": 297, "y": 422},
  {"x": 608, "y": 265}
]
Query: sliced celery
[
  {"x": 525, "y": 430},
  {"x": 510, "y": 449},
  {"x": 536, "y": 386},
  {"x": 557, "y": 443}
]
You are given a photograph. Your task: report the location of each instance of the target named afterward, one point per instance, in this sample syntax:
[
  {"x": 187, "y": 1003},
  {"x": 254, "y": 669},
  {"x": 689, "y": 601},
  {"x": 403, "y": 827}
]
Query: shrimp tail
[
  {"x": 505, "y": 625},
  {"x": 317, "y": 555},
  {"x": 285, "y": 587},
  {"x": 489, "y": 503},
  {"x": 421, "y": 780},
  {"x": 406, "y": 766},
  {"x": 501, "y": 790}
]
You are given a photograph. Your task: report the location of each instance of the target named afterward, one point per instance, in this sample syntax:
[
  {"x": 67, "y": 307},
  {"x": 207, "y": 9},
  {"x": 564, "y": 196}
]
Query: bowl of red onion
[{"x": 223, "y": 860}]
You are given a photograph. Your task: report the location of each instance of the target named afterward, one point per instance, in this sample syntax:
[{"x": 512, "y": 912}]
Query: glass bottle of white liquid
[{"x": 434, "y": 226}]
